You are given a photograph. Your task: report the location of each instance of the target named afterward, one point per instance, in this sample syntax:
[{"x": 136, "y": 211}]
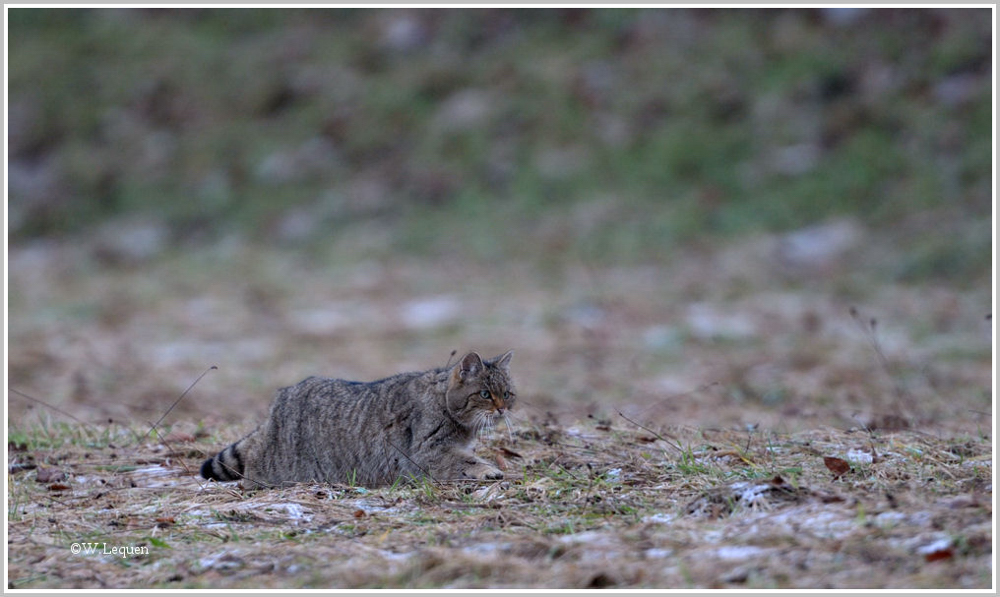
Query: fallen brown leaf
[
  {"x": 165, "y": 521},
  {"x": 49, "y": 475},
  {"x": 941, "y": 554},
  {"x": 178, "y": 438},
  {"x": 511, "y": 453},
  {"x": 838, "y": 466}
]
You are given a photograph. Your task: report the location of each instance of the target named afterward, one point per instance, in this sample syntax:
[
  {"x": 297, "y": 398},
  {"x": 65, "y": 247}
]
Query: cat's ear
[
  {"x": 471, "y": 364},
  {"x": 503, "y": 361}
]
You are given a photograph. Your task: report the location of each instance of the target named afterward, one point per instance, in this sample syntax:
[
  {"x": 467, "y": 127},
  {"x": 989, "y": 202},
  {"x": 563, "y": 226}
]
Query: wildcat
[{"x": 373, "y": 433}]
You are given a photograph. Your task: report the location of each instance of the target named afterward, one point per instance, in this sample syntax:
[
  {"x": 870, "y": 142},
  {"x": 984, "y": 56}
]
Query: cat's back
[{"x": 329, "y": 393}]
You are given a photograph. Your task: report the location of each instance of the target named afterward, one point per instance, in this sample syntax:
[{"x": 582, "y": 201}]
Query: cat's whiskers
[
  {"x": 511, "y": 418},
  {"x": 491, "y": 419},
  {"x": 507, "y": 424},
  {"x": 480, "y": 423}
]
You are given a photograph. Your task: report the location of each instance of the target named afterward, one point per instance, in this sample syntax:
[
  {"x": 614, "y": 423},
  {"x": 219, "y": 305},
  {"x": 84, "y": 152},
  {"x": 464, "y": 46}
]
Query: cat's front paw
[{"x": 483, "y": 472}]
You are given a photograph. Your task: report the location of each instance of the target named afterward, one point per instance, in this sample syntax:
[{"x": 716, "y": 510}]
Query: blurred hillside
[{"x": 609, "y": 136}]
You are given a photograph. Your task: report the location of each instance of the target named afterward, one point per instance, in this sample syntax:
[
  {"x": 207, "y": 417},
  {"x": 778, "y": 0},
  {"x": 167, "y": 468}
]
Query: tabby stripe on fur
[{"x": 227, "y": 465}]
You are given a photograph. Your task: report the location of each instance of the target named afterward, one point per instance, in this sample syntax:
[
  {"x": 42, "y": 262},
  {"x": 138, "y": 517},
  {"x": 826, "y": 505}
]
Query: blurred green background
[{"x": 607, "y": 135}]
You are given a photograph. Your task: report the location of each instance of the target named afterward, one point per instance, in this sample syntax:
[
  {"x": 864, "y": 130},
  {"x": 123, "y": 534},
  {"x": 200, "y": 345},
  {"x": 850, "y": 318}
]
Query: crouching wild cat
[{"x": 373, "y": 433}]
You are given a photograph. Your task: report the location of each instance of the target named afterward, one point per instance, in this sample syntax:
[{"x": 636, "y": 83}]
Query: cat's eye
[
  {"x": 506, "y": 395},
  {"x": 485, "y": 393}
]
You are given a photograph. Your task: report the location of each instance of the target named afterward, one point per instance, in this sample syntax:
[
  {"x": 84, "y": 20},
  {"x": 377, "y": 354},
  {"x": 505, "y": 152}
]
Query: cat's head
[{"x": 480, "y": 391}]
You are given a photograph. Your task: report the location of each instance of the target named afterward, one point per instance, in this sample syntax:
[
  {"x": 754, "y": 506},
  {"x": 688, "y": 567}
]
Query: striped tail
[{"x": 227, "y": 465}]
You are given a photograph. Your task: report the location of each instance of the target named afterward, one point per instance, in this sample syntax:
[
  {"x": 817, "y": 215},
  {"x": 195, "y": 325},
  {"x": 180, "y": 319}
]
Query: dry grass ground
[
  {"x": 707, "y": 423},
  {"x": 598, "y": 504}
]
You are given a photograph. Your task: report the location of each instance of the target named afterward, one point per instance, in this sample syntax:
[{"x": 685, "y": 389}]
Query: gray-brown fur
[{"x": 373, "y": 433}]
